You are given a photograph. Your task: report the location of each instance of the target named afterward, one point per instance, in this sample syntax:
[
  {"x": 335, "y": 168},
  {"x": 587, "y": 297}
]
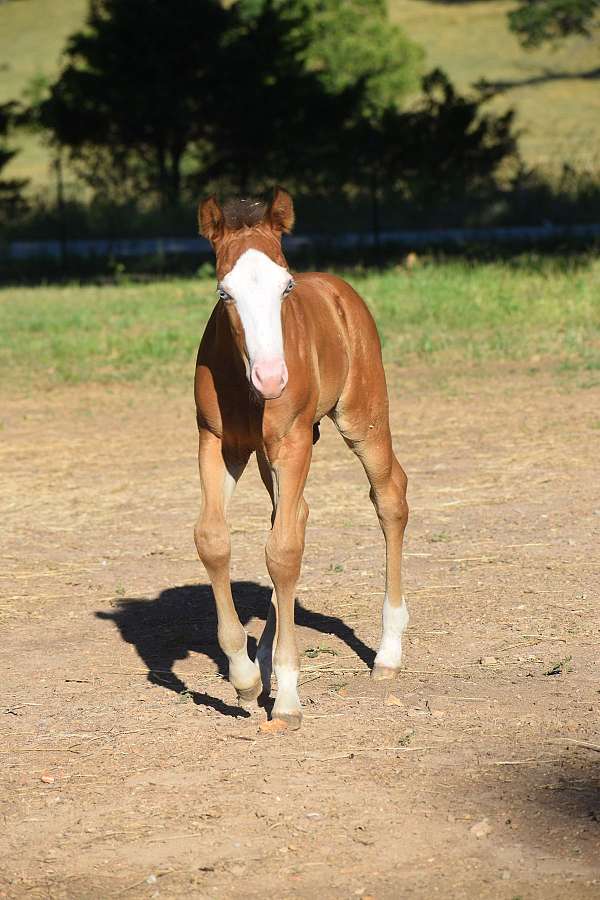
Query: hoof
[
  {"x": 249, "y": 694},
  {"x": 292, "y": 720},
  {"x": 383, "y": 673}
]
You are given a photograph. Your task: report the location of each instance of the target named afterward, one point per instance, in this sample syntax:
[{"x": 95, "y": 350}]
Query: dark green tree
[
  {"x": 139, "y": 87},
  {"x": 538, "y": 21},
  {"x": 453, "y": 144},
  {"x": 275, "y": 121},
  {"x": 350, "y": 45},
  {"x": 440, "y": 148},
  {"x": 366, "y": 66}
]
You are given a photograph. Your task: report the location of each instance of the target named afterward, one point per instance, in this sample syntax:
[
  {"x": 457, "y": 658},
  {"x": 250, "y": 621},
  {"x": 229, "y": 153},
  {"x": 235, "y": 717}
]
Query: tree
[
  {"x": 452, "y": 143},
  {"x": 350, "y": 45},
  {"x": 139, "y": 87},
  {"x": 366, "y": 67},
  {"x": 275, "y": 120},
  {"x": 539, "y": 21},
  {"x": 444, "y": 145},
  {"x": 11, "y": 196},
  {"x": 241, "y": 92}
]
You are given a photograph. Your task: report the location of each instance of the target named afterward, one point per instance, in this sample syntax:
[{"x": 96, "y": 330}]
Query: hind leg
[{"x": 367, "y": 433}]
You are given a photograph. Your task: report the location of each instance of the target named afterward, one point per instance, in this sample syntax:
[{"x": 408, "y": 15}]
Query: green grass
[
  {"x": 560, "y": 117},
  {"x": 442, "y": 313}
]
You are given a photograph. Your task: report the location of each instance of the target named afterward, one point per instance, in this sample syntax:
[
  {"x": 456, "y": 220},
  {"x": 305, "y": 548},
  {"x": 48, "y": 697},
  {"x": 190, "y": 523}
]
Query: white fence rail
[{"x": 136, "y": 247}]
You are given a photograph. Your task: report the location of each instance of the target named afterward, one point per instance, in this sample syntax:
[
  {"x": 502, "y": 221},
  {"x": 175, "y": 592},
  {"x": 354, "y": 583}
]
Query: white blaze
[{"x": 256, "y": 283}]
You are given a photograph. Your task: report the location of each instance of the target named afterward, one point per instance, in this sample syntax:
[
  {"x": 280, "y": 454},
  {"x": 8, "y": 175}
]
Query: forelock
[{"x": 243, "y": 212}]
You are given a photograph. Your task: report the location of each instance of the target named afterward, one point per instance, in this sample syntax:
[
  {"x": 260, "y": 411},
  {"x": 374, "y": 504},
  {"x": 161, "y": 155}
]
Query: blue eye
[
  {"x": 222, "y": 295},
  {"x": 290, "y": 286}
]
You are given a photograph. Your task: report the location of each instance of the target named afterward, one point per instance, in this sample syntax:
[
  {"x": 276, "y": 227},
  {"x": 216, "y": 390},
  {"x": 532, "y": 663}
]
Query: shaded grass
[{"x": 441, "y": 312}]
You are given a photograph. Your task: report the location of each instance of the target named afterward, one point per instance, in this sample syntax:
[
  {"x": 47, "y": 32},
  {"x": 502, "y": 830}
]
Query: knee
[
  {"x": 284, "y": 554},
  {"x": 391, "y": 504},
  {"x": 212, "y": 543}
]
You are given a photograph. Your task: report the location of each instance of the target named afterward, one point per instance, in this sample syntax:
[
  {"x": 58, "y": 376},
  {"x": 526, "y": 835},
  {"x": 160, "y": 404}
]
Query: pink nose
[{"x": 270, "y": 377}]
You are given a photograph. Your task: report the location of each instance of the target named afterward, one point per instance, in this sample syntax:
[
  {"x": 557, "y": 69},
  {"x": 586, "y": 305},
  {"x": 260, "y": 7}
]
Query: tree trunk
[
  {"x": 174, "y": 187},
  {"x": 375, "y": 214},
  {"x": 60, "y": 204},
  {"x": 163, "y": 176}
]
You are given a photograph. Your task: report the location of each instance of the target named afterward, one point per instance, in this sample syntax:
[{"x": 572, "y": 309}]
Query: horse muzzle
[{"x": 269, "y": 377}]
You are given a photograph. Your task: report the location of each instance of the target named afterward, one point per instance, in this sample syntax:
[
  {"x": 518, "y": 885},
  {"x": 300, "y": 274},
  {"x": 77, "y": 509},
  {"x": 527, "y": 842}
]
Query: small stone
[
  {"x": 481, "y": 829},
  {"x": 151, "y": 879},
  {"x": 392, "y": 700},
  {"x": 48, "y": 779},
  {"x": 488, "y": 660},
  {"x": 273, "y": 726}
]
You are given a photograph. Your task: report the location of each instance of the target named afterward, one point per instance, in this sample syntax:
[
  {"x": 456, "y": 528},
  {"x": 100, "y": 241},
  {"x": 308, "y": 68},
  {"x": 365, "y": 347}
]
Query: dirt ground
[{"x": 127, "y": 768}]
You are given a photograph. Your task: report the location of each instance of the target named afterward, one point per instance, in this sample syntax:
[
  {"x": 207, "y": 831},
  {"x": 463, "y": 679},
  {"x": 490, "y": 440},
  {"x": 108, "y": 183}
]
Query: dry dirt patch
[{"x": 128, "y": 769}]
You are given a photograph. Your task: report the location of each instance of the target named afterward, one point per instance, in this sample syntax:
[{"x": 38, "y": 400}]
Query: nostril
[{"x": 269, "y": 376}]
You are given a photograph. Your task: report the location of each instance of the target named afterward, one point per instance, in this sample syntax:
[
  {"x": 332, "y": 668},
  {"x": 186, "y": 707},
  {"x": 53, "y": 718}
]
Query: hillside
[{"x": 556, "y": 98}]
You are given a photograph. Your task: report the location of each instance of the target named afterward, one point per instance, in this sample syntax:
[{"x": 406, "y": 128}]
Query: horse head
[{"x": 253, "y": 280}]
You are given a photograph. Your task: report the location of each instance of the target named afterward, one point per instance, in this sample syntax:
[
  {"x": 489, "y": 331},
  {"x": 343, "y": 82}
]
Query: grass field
[
  {"x": 445, "y": 313},
  {"x": 558, "y": 107}
]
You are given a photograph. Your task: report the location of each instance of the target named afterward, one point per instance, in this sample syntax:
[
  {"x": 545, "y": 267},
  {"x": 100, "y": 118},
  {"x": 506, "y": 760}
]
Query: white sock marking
[
  {"x": 395, "y": 620},
  {"x": 243, "y": 673},
  {"x": 287, "y": 700}
]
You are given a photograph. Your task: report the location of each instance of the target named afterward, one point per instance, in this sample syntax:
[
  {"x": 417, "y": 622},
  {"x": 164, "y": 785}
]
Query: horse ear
[
  {"x": 281, "y": 211},
  {"x": 210, "y": 219}
]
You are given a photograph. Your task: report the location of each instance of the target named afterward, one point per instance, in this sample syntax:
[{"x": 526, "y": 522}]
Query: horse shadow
[{"x": 182, "y": 620}]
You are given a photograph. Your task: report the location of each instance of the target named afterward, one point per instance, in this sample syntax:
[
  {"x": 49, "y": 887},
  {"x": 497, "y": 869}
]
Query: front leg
[
  {"x": 290, "y": 462},
  {"x": 219, "y": 474}
]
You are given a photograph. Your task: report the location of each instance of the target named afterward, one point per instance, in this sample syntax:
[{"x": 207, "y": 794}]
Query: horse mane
[{"x": 243, "y": 212}]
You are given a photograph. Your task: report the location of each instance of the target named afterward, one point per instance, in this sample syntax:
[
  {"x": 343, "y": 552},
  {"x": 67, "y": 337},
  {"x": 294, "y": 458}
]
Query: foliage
[
  {"x": 444, "y": 143},
  {"x": 438, "y": 150},
  {"x": 241, "y": 89},
  {"x": 451, "y": 142},
  {"x": 271, "y": 106},
  {"x": 539, "y": 21},
  {"x": 350, "y": 45},
  {"x": 557, "y": 113},
  {"x": 139, "y": 86}
]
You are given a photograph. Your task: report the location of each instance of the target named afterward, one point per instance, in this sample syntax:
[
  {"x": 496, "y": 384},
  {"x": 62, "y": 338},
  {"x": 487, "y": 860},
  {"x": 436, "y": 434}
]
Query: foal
[{"x": 279, "y": 352}]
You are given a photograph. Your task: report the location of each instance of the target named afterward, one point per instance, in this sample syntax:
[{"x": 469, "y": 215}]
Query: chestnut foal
[{"x": 279, "y": 352}]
